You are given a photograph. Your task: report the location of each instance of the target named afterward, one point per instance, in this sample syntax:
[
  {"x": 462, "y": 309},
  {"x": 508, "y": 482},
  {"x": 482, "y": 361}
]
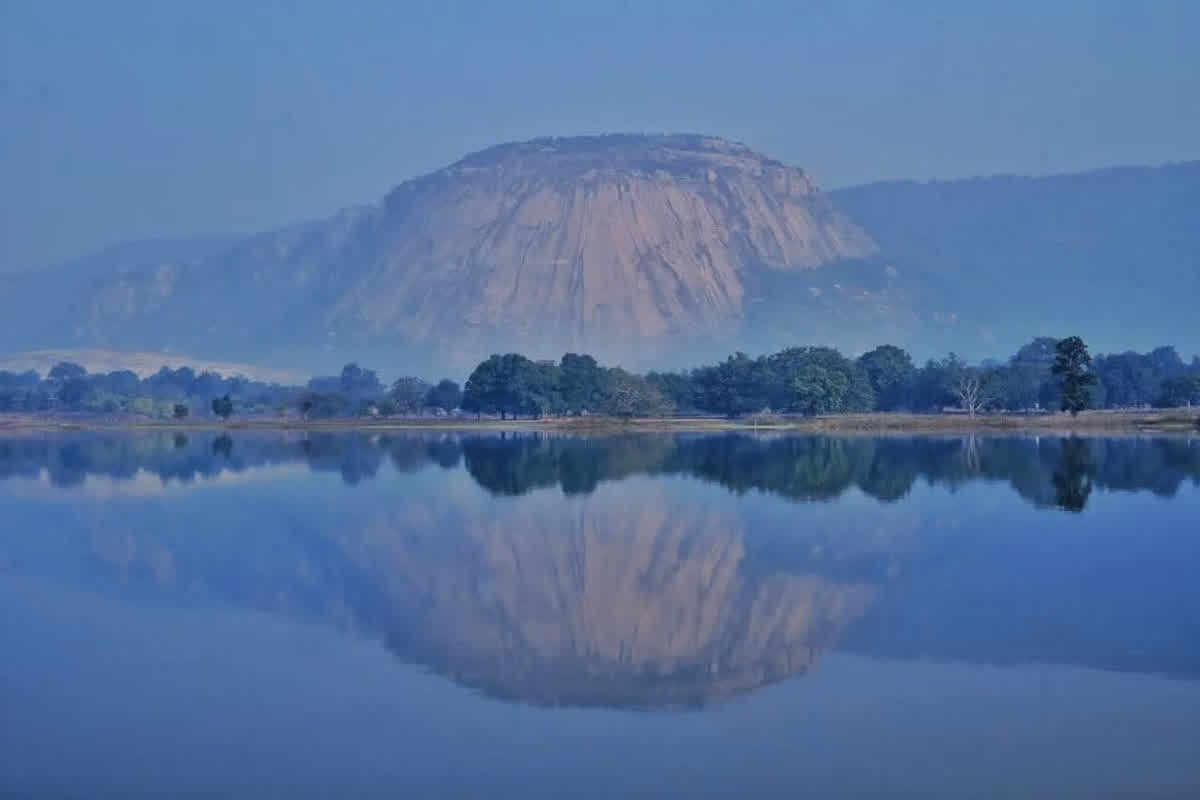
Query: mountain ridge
[
  {"x": 629, "y": 246},
  {"x": 647, "y": 250}
]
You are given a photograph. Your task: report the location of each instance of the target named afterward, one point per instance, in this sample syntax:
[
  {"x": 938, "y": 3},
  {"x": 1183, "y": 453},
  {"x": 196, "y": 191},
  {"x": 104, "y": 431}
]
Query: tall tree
[
  {"x": 737, "y": 385},
  {"x": 222, "y": 406},
  {"x": 1167, "y": 361},
  {"x": 783, "y": 368},
  {"x": 1030, "y": 382},
  {"x": 446, "y": 395},
  {"x": 356, "y": 382},
  {"x": 73, "y": 392},
  {"x": 409, "y": 394},
  {"x": 931, "y": 384},
  {"x": 890, "y": 371},
  {"x": 678, "y": 388},
  {"x": 818, "y": 390},
  {"x": 1182, "y": 390},
  {"x": 582, "y": 383},
  {"x": 65, "y": 370},
  {"x": 1072, "y": 366},
  {"x": 512, "y": 384}
]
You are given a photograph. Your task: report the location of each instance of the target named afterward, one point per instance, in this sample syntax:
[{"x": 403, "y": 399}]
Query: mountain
[
  {"x": 637, "y": 248},
  {"x": 1112, "y": 254},
  {"x": 648, "y": 251}
]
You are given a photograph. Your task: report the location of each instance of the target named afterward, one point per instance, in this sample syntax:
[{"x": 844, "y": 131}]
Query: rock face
[
  {"x": 633, "y": 248},
  {"x": 591, "y": 241},
  {"x": 646, "y": 251}
]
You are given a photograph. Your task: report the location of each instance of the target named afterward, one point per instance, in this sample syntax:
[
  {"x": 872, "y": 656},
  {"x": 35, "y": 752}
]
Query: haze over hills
[
  {"x": 1112, "y": 254},
  {"x": 648, "y": 251}
]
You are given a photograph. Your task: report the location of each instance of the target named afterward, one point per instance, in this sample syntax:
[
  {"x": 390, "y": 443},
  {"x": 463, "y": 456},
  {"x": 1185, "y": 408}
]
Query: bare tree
[
  {"x": 633, "y": 396},
  {"x": 970, "y": 454},
  {"x": 971, "y": 390}
]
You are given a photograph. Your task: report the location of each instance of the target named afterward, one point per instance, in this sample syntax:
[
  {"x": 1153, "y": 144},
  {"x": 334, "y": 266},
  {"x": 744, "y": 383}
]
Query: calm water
[{"x": 200, "y": 615}]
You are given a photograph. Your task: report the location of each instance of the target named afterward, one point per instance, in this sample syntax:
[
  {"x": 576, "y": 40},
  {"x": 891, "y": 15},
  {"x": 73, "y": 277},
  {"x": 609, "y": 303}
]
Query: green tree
[
  {"x": 785, "y": 366},
  {"x": 179, "y": 411},
  {"x": 818, "y": 390},
  {"x": 1129, "y": 379},
  {"x": 73, "y": 392},
  {"x": 890, "y": 372},
  {"x": 581, "y": 382},
  {"x": 65, "y": 370},
  {"x": 738, "y": 385},
  {"x": 446, "y": 395},
  {"x": 1072, "y": 367},
  {"x": 1167, "y": 362},
  {"x": 356, "y": 382},
  {"x": 408, "y": 394},
  {"x": 931, "y": 384},
  {"x": 679, "y": 388},
  {"x": 511, "y": 384},
  {"x": 222, "y": 407},
  {"x": 322, "y": 405},
  {"x": 1182, "y": 390},
  {"x": 1029, "y": 381}
]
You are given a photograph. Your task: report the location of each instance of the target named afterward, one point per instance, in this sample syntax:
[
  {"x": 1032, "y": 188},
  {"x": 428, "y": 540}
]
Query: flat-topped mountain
[
  {"x": 632, "y": 247},
  {"x": 647, "y": 251},
  {"x": 591, "y": 242}
]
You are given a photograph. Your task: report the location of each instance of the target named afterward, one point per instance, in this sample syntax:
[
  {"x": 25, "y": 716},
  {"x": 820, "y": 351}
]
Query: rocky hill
[
  {"x": 636, "y": 248},
  {"x": 647, "y": 251}
]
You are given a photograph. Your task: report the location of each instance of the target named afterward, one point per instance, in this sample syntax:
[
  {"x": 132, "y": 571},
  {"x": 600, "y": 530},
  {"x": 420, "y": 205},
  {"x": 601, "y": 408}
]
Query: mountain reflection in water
[{"x": 650, "y": 592}]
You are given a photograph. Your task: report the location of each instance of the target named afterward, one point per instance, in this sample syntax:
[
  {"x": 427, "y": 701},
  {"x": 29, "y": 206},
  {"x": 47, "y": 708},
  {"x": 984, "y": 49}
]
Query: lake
[{"x": 205, "y": 614}]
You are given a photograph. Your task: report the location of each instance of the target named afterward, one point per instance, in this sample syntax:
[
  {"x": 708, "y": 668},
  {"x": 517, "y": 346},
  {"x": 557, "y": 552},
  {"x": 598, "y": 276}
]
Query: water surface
[{"x": 643, "y": 615}]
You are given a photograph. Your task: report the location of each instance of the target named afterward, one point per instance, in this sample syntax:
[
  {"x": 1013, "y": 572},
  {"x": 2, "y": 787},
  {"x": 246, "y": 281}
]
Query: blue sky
[{"x": 130, "y": 119}]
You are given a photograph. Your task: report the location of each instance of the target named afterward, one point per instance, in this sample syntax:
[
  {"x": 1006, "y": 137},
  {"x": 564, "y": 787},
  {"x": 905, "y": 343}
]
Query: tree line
[
  {"x": 1046, "y": 374},
  {"x": 183, "y": 393},
  {"x": 168, "y": 393}
]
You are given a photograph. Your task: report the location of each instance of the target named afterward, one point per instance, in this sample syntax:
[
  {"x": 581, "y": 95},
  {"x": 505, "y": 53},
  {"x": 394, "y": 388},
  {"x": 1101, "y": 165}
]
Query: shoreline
[{"x": 1088, "y": 422}]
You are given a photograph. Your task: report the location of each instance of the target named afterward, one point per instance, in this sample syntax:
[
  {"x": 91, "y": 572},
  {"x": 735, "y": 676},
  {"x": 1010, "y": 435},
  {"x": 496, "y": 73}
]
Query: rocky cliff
[{"x": 635, "y": 248}]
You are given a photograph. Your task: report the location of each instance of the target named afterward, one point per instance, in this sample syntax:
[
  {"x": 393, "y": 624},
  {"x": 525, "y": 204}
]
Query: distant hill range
[
  {"x": 647, "y": 251},
  {"x": 142, "y": 364}
]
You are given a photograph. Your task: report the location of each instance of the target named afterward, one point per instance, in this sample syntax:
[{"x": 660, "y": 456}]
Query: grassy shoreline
[{"x": 1094, "y": 422}]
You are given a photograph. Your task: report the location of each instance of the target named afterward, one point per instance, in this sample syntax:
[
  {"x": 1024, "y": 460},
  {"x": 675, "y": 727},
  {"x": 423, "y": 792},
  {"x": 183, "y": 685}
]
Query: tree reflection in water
[
  {"x": 599, "y": 593},
  {"x": 1073, "y": 476},
  {"x": 1047, "y": 471}
]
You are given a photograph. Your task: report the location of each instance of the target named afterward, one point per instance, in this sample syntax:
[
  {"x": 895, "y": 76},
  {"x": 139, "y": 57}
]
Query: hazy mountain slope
[
  {"x": 134, "y": 254},
  {"x": 637, "y": 248},
  {"x": 648, "y": 251},
  {"x": 36, "y": 306},
  {"x": 1112, "y": 254}
]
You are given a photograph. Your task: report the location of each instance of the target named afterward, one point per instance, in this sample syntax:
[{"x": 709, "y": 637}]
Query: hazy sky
[{"x": 123, "y": 120}]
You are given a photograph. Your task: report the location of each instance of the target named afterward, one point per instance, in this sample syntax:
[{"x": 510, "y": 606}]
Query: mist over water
[{"x": 531, "y": 615}]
